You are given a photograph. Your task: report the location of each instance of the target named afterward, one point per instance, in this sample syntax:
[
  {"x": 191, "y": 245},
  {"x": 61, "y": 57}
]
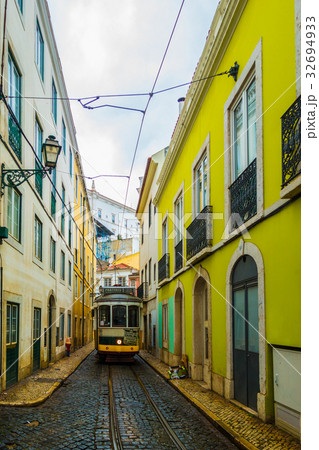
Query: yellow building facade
[
  {"x": 228, "y": 203},
  {"x": 84, "y": 261}
]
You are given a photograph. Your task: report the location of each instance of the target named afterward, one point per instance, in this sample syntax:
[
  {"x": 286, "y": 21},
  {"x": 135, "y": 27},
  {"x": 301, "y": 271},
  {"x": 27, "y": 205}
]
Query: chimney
[{"x": 181, "y": 103}]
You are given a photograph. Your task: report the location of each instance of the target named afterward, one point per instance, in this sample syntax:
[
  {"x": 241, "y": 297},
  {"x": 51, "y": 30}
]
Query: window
[
  {"x": 54, "y": 104},
  {"x": 39, "y": 50},
  {"x": 164, "y": 237},
  {"x": 76, "y": 188},
  {"x": 62, "y": 273},
  {"x": 14, "y": 100},
  {"x": 53, "y": 194},
  {"x": 125, "y": 223},
  {"x": 142, "y": 233},
  {"x": 122, "y": 281},
  {"x": 145, "y": 269},
  {"x": 63, "y": 137},
  {"x": 105, "y": 316},
  {"x": 179, "y": 219},
  {"x": 61, "y": 326},
  {"x": 70, "y": 273},
  {"x": 37, "y": 238},
  {"x": 244, "y": 136},
  {"x": 154, "y": 210},
  {"x": 70, "y": 228},
  {"x": 113, "y": 218},
  {"x": 119, "y": 316},
  {"x": 20, "y": 4},
  {"x": 99, "y": 213},
  {"x": 150, "y": 271},
  {"x": 76, "y": 285},
  {"x": 142, "y": 276},
  {"x": 12, "y": 323},
  {"x": 14, "y": 213},
  {"x": 88, "y": 267},
  {"x": 52, "y": 254},
  {"x": 38, "y": 139},
  {"x": 62, "y": 214},
  {"x": 133, "y": 316},
  {"x": 150, "y": 213},
  {"x": 201, "y": 185},
  {"x": 107, "y": 282},
  {"x": 154, "y": 273},
  {"x": 70, "y": 161}
]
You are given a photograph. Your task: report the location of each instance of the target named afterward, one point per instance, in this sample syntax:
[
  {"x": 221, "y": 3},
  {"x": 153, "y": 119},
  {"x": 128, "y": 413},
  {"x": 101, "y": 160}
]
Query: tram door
[
  {"x": 245, "y": 332},
  {"x": 12, "y": 343}
]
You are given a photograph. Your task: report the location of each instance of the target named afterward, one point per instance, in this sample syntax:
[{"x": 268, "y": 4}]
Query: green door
[
  {"x": 12, "y": 343},
  {"x": 36, "y": 338}
]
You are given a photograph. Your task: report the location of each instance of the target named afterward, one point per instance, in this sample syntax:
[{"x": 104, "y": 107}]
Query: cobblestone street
[{"x": 77, "y": 415}]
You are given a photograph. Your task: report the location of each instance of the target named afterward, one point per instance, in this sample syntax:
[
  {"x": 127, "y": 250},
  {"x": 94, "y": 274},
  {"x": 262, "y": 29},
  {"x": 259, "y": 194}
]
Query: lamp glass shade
[{"x": 50, "y": 151}]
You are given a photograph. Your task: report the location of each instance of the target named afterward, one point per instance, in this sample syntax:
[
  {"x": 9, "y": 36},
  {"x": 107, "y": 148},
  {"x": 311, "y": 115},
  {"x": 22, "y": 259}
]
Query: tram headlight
[{"x": 119, "y": 341}]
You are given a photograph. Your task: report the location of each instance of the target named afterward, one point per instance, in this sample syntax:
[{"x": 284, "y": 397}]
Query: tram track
[{"x": 114, "y": 425}]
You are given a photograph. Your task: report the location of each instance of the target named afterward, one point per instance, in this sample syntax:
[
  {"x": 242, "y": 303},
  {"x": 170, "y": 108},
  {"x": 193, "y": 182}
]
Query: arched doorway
[
  {"x": 51, "y": 328},
  {"x": 201, "y": 368},
  {"x": 245, "y": 331},
  {"x": 178, "y": 326}
]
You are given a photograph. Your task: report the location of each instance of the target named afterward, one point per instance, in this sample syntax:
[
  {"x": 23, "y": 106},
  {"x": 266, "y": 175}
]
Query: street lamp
[{"x": 14, "y": 177}]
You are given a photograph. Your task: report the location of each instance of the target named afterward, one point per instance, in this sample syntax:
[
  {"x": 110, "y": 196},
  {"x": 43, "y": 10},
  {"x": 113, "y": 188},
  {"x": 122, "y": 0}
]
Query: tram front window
[
  {"x": 133, "y": 316},
  {"x": 104, "y": 316},
  {"x": 119, "y": 316}
]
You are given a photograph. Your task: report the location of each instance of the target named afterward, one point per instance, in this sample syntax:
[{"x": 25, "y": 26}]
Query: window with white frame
[
  {"x": 107, "y": 282},
  {"x": 76, "y": 188},
  {"x": 179, "y": 219},
  {"x": 62, "y": 271},
  {"x": 39, "y": 50},
  {"x": 244, "y": 135},
  {"x": 61, "y": 326},
  {"x": 99, "y": 213},
  {"x": 70, "y": 161},
  {"x": 113, "y": 218},
  {"x": 76, "y": 285},
  {"x": 63, "y": 136},
  {"x": 122, "y": 281},
  {"x": 54, "y": 104},
  {"x": 38, "y": 140},
  {"x": 14, "y": 213},
  {"x": 37, "y": 238},
  {"x": 20, "y": 4},
  {"x": 70, "y": 273},
  {"x": 52, "y": 254},
  {"x": 165, "y": 237},
  {"x": 201, "y": 184}
]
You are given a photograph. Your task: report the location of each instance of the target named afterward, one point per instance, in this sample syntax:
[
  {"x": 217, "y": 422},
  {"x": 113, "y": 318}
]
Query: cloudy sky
[{"x": 116, "y": 47}]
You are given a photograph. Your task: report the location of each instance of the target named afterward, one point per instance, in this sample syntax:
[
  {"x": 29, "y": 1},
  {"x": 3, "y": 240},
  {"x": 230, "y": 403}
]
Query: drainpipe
[{"x": 83, "y": 296}]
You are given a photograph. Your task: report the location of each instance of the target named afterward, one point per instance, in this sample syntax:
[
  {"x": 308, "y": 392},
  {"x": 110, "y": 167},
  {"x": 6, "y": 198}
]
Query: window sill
[
  {"x": 293, "y": 188},
  {"x": 37, "y": 262},
  {"x": 199, "y": 256}
]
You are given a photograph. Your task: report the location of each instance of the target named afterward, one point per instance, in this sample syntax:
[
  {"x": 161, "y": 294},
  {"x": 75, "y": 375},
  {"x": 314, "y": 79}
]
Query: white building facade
[
  {"x": 120, "y": 220},
  {"x": 37, "y": 256},
  {"x": 146, "y": 213}
]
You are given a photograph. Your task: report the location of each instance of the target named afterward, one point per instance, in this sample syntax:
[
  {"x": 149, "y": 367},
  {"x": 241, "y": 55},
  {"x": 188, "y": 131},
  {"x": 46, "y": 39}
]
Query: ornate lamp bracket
[
  {"x": 233, "y": 71},
  {"x": 15, "y": 177}
]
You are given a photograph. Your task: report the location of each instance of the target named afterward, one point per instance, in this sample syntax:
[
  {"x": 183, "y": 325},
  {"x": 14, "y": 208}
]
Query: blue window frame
[
  {"x": 38, "y": 139},
  {"x": 39, "y": 50},
  {"x": 54, "y": 102},
  {"x": 63, "y": 137}
]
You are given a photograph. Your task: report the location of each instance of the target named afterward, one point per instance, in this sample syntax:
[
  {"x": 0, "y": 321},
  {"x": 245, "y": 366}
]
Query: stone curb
[
  {"x": 52, "y": 389},
  {"x": 238, "y": 440}
]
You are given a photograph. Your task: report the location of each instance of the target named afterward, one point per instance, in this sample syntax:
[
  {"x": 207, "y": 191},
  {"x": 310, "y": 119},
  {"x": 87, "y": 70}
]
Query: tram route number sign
[{"x": 130, "y": 337}]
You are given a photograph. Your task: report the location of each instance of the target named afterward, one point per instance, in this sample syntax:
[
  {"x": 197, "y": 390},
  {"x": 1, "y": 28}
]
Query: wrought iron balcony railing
[
  {"x": 179, "y": 255},
  {"x": 291, "y": 142},
  {"x": 199, "y": 232},
  {"x": 163, "y": 268},
  {"x": 142, "y": 290},
  {"x": 15, "y": 137},
  {"x": 243, "y": 196}
]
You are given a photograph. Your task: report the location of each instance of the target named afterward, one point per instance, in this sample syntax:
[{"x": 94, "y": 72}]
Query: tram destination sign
[{"x": 131, "y": 337}]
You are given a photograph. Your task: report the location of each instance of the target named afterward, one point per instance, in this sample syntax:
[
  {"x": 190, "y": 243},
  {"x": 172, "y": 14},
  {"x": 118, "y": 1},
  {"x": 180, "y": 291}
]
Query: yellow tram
[{"x": 117, "y": 321}]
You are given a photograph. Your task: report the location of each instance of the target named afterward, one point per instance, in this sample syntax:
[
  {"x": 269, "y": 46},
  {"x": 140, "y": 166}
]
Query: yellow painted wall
[{"x": 278, "y": 237}]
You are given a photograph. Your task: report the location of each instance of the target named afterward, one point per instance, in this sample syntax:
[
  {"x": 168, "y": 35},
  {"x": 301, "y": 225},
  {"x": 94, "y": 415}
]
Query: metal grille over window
[
  {"x": 291, "y": 142},
  {"x": 142, "y": 290},
  {"x": 243, "y": 194},
  {"x": 163, "y": 267},
  {"x": 199, "y": 232}
]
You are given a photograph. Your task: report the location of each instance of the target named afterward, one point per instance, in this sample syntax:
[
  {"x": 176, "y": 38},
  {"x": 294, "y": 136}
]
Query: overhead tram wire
[
  {"x": 2, "y": 97},
  {"x": 148, "y": 102}
]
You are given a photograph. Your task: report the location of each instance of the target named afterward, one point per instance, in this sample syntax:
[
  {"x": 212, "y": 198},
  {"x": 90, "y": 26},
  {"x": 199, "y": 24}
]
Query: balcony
[
  {"x": 199, "y": 233},
  {"x": 179, "y": 256},
  {"x": 163, "y": 268},
  {"x": 291, "y": 143},
  {"x": 14, "y": 137},
  {"x": 243, "y": 196},
  {"x": 142, "y": 291}
]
